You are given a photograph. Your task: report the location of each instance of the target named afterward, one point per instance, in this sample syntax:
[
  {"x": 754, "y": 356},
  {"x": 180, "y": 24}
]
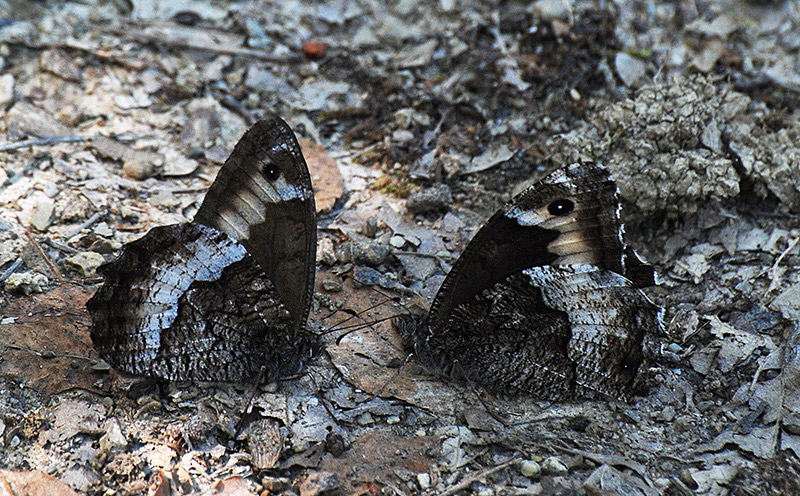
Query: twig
[
  {"x": 774, "y": 275},
  {"x": 140, "y": 34},
  {"x": 44, "y": 255},
  {"x": 7, "y": 491},
  {"x": 485, "y": 473},
  {"x": 11, "y": 269},
  {"x": 47, "y": 354},
  {"x": 60, "y": 246},
  {"x": 125, "y": 138},
  {"x": 43, "y": 141},
  {"x": 189, "y": 191},
  {"x": 417, "y": 254},
  {"x": 91, "y": 220}
]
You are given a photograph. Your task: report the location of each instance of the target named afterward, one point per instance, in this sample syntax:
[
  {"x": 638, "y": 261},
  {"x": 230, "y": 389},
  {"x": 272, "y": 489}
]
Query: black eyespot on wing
[
  {"x": 271, "y": 171},
  {"x": 561, "y": 207}
]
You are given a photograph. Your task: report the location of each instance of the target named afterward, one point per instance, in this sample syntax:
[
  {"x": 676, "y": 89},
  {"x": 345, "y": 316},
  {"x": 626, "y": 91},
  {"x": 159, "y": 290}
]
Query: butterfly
[
  {"x": 217, "y": 298},
  {"x": 545, "y": 300}
]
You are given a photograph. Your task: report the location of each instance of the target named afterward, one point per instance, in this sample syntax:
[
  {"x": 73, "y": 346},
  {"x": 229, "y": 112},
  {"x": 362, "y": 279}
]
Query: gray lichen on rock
[{"x": 675, "y": 145}]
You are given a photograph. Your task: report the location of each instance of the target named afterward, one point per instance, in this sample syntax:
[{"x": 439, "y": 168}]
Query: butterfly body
[
  {"x": 219, "y": 298},
  {"x": 539, "y": 302}
]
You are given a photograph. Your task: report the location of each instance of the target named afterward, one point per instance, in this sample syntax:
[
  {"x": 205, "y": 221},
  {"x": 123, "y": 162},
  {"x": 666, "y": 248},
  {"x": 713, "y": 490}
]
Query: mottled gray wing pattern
[
  {"x": 187, "y": 302},
  {"x": 215, "y": 299},
  {"x": 538, "y": 303},
  {"x": 263, "y": 198}
]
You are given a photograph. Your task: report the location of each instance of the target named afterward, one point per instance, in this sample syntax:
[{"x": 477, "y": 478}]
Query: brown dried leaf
[
  {"x": 33, "y": 483},
  {"x": 265, "y": 442},
  {"x": 374, "y": 457},
  {"x": 26, "y": 119},
  {"x": 47, "y": 345},
  {"x": 229, "y": 486},
  {"x": 328, "y": 185}
]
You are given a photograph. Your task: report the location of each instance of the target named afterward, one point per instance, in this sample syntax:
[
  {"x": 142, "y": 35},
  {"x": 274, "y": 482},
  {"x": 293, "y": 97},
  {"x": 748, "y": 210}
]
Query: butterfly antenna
[
  {"x": 395, "y": 299},
  {"x": 393, "y": 377},
  {"x": 358, "y": 327},
  {"x": 353, "y": 314},
  {"x": 248, "y": 408}
]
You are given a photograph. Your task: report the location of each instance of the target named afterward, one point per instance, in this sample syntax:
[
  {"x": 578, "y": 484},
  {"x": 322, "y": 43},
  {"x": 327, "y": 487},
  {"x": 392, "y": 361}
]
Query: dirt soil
[{"x": 418, "y": 120}]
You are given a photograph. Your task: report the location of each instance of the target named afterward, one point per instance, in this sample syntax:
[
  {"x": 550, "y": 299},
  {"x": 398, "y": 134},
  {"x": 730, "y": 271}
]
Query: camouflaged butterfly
[
  {"x": 545, "y": 299},
  {"x": 218, "y": 298}
]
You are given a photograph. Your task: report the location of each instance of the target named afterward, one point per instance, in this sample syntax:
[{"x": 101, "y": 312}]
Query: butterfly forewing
[
  {"x": 515, "y": 238},
  {"x": 263, "y": 198}
]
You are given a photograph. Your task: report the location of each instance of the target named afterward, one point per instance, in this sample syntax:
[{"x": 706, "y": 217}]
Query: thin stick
[
  {"x": 41, "y": 142},
  {"x": 7, "y": 491},
  {"x": 60, "y": 246},
  {"x": 11, "y": 270},
  {"x": 67, "y": 139},
  {"x": 144, "y": 38},
  {"x": 91, "y": 220},
  {"x": 485, "y": 473},
  {"x": 354, "y": 314},
  {"x": 44, "y": 255},
  {"x": 358, "y": 327}
]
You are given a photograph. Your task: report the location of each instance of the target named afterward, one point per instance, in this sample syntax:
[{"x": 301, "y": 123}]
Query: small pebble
[
  {"x": 675, "y": 348},
  {"x": 113, "y": 439},
  {"x": 685, "y": 476},
  {"x": 276, "y": 485},
  {"x": 42, "y": 214},
  {"x": 26, "y": 283},
  {"x": 334, "y": 444},
  {"x": 86, "y": 262},
  {"x": 332, "y": 286},
  {"x": 554, "y": 466},
  {"x": 397, "y": 241},
  {"x": 530, "y": 469},
  {"x": 325, "y": 251},
  {"x": 187, "y": 18},
  {"x": 365, "y": 419},
  {"x": 6, "y": 89},
  {"x": 315, "y": 50},
  {"x": 371, "y": 227},
  {"x": 392, "y": 419},
  {"x": 430, "y": 200},
  {"x": 424, "y": 480},
  {"x": 318, "y": 483},
  {"x": 101, "y": 366},
  {"x": 138, "y": 169},
  {"x": 369, "y": 253}
]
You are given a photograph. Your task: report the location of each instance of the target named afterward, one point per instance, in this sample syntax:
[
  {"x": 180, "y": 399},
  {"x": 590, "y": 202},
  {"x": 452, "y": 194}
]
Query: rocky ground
[{"x": 418, "y": 120}]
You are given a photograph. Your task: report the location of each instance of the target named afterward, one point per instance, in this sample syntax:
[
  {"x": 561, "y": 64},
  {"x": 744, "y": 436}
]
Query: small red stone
[{"x": 315, "y": 50}]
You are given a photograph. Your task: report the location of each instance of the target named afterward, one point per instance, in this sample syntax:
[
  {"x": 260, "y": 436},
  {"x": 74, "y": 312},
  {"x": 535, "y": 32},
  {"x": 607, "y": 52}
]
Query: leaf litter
[{"x": 118, "y": 117}]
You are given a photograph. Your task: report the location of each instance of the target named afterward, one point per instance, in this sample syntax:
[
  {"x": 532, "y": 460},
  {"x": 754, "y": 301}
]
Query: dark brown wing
[
  {"x": 537, "y": 302},
  {"x": 219, "y": 298},
  {"x": 525, "y": 233},
  {"x": 263, "y": 198}
]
